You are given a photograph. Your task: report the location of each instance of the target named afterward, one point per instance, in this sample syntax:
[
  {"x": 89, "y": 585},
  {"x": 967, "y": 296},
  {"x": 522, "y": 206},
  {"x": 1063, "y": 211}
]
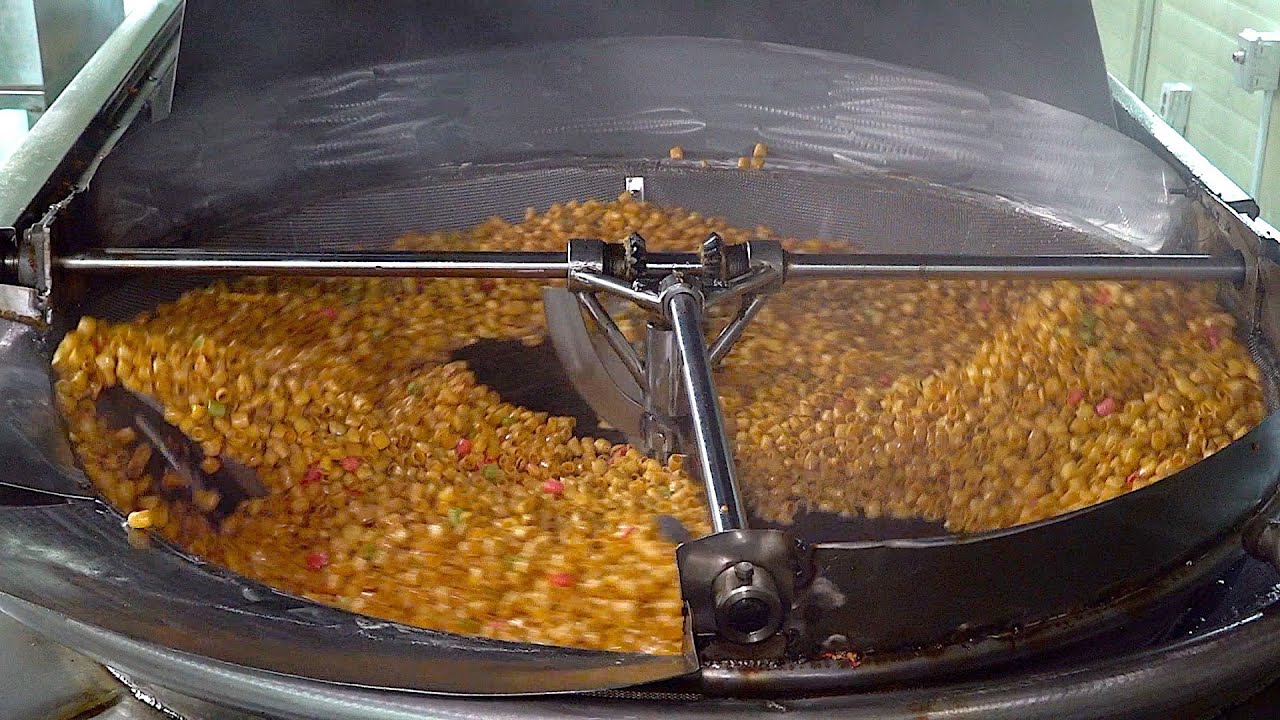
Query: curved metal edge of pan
[
  {"x": 1195, "y": 676},
  {"x": 914, "y": 593},
  {"x": 897, "y": 594},
  {"x": 76, "y": 562},
  {"x": 1085, "y": 632},
  {"x": 73, "y": 557}
]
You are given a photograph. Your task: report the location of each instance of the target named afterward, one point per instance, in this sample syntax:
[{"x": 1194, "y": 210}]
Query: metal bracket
[
  {"x": 739, "y": 587},
  {"x": 35, "y": 259},
  {"x": 160, "y": 103},
  {"x": 586, "y": 257},
  {"x": 27, "y": 301},
  {"x": 1251, "y": 287},
  {"x": 634, "y": 184},
  {"x": 1222, "y": 228}
]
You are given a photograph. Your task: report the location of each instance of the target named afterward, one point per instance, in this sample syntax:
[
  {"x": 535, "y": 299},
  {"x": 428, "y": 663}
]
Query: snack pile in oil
[{"x": 401, "y": 488}]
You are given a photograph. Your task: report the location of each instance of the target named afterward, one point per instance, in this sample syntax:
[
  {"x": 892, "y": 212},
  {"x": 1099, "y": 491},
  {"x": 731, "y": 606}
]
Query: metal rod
[
  {"x": 624, "y": 290},
  {"x": 715, "y": 461},
  {"x": 752, "y": 282},
  {"x": 735, "y": 328},
  {"x": 616, "y": 339},
  {"x": 554, "y": 265},
  {"x": 662, "y": 264},
  {"x": 1064, "y": 267},
  {"x": 544, "y": 265}
]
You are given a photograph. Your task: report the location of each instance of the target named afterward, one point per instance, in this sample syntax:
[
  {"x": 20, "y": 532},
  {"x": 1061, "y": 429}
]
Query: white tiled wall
[{"x": 1191, "y": 42}]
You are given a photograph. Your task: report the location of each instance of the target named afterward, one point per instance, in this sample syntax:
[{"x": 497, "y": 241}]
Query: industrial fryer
[{"x": 1154, "y": 597}]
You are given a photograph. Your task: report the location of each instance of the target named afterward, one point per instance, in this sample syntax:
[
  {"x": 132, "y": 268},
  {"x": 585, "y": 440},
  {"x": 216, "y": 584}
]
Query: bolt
[{"x": 744, "y": 571}]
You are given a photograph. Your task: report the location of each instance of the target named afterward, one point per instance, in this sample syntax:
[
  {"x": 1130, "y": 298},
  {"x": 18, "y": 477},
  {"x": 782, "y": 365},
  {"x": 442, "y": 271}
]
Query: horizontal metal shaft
[
  {"x": 659, "y": 264},
  {"x": 1065, "y": 267},
  {"x": 479, "y": 264},
  {"x": 554, "y": 265},
  {"x": 347, "y": 263}
]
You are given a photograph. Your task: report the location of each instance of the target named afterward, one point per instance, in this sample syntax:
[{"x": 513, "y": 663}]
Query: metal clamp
[
  {"x": 17, "y": 302},
  {"x": 31, "y": 265},
  {"x": 739, "y": 588}
]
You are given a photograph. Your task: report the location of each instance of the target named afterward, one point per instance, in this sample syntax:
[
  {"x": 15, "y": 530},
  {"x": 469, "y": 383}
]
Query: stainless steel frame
[{"x": 90, "y": 96}]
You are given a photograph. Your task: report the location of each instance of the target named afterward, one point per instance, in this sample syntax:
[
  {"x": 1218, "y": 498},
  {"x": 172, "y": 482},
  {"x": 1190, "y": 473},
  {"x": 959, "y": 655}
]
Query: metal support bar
[
  {"x": 617, "y": 287},
  {"x": 534, "y": 265},
  {"x": 735, "y": 328},
  {"x": 25, "y": 172},
  {"x": 617, "y": 340},
  {"x": 1056, "y": 267},
  {"x": 658, "y": 425},
  {"x": 753, "y": 282},
  {"x": 715, "y": 460},
  {"x": 553, "y": 265}
]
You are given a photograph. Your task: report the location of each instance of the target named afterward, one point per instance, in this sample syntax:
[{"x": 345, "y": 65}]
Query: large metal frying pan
[{"x": 72, "y": 557}]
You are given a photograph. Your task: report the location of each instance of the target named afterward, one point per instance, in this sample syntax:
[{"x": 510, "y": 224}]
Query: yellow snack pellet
[{"x": 139, "y": 519}]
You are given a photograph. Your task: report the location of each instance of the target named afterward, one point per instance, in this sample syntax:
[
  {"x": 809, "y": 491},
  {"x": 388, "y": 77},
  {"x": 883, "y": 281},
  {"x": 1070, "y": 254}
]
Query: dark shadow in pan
[{"x": 532, "y": 377}]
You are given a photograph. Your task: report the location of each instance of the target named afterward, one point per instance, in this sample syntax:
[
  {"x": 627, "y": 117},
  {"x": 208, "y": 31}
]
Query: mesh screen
[
  {"x": 1263, "y": 354},
  {"x": 306, "y": 141},
  {"x": 376, "y": 218},
  {"x": 880, "y": 214}
]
